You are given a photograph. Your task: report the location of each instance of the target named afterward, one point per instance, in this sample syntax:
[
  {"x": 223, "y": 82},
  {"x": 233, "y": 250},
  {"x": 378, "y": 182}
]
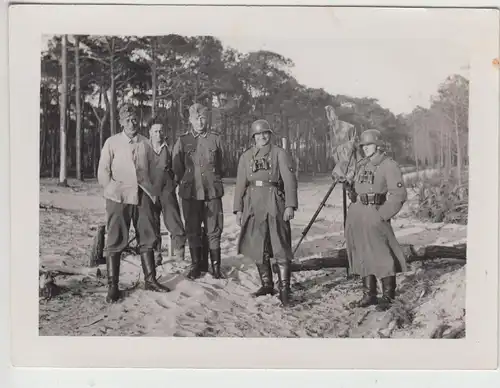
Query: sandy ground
[{"x": 431, "y": 295}]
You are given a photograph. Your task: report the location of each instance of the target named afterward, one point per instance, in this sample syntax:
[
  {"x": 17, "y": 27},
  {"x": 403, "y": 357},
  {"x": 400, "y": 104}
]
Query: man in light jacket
[{"x": 125, "y": 173}]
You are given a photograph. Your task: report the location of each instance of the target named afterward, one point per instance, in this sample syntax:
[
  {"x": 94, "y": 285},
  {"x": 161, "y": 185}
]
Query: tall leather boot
[
  {"x": 113, "y": 269},
  {"x": 204, "y": 252},
  {"x": 194, "y": 271},
  {"x": 149, "y": 268},
  {"x": 369, "y": 293},
  {"x": 266, "y": 278},
  {"x": 215, "y": 258},
  {"x": 284, "y": 276},
  {"x": 388, "y": 293}
]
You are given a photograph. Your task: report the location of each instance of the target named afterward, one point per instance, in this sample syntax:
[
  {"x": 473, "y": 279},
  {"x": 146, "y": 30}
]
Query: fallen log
[
  {"x": 338, "y": 258},
  {"x": 64, "y": 270}
]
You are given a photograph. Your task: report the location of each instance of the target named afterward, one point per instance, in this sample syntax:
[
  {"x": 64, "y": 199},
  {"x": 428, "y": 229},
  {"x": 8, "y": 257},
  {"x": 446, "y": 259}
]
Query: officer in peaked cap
[
  {"x": 265, "y": 200},
  {"x": 197, "y": 164},
  {"x": 372, "y": 248}
]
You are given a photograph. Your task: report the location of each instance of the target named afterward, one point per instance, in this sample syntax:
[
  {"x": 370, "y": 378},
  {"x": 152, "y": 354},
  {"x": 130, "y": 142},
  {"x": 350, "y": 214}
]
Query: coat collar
[
  {"x": 132, "y": 140},
  {"x": 197, "y": 134},
  {"x": 158, "y": 150},
  {"x": 262, "y": 151},
  {"x": 378, "y": 158}
]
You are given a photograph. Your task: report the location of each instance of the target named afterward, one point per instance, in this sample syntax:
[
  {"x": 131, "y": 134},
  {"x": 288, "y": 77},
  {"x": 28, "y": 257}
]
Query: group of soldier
[{"x": 140, "y": 177}]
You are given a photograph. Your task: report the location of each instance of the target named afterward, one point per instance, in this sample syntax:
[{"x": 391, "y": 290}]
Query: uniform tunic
[
  {"x": 197, "y": 165},
  {"x": 262, "y": 204},
  {"x": 372, "y": 247}
]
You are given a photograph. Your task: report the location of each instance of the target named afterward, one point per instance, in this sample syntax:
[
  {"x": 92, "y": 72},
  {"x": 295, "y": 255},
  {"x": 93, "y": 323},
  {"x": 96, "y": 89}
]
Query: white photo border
[{"x": 478, "y": 351}]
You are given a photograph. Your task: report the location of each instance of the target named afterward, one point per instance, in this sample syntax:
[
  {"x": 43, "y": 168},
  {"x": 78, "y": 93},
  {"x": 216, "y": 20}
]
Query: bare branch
[
  {"x": 98, "y": 60},
  {"x": 124, "y": 48}
]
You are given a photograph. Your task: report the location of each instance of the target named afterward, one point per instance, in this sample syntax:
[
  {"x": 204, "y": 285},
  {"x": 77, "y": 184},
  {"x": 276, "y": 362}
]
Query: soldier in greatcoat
[
  {"x": 197, "y": 165},
  {"x": 125, "y": 172},
  {"x": 265, "y": 200},
  {"x": 377, "y": 194}
]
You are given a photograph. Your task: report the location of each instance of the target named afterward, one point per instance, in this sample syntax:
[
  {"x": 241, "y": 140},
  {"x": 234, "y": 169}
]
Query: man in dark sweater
[{"x": 167, "y": 204}]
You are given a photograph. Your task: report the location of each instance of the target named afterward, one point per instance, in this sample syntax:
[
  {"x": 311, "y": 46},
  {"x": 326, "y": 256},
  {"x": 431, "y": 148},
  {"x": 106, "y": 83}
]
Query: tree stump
[{"x": 97, "y": 252}]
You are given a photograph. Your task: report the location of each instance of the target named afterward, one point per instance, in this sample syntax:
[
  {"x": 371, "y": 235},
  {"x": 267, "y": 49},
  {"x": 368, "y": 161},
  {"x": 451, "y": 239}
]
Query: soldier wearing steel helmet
[
  {"x": 265, "y": 200},
  {"x": 197, "y": 165},
  {"x": 378, "y": 194}
]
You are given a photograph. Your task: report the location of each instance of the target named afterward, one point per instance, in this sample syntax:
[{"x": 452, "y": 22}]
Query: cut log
[
  {"x": 96, "y": 254},
  {"x": 338, "y": 259},
  {"x": 64, "y": 270}
]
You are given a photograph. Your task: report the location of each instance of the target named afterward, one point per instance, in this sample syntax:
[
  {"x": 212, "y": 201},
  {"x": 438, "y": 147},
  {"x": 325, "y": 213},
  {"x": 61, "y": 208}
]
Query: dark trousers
[
  {"x": 121, "y": 215},
  {"x": 169, "y": 206},
  {"x": 210, "y": 214}
]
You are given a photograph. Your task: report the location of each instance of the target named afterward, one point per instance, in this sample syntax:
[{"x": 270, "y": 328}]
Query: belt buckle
[{"x": 259, "y": 183}]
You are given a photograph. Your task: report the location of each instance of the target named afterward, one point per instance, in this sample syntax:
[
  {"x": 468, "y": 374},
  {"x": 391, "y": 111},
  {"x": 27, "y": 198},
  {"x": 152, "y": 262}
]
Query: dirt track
[{"x": 431, "y": 296}]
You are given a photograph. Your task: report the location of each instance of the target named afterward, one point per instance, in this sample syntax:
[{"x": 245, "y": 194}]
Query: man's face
[
  {"x": 156, "y": 133},
  {"x": 369, "y": 149},
  {"x": 198, "y": 122},
  {"x": 262, "y": 139},
  {"x": 129, "y": 125}
]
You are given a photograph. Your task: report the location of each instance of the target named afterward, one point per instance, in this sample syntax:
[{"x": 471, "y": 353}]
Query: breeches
[
  {"x": 210, "y": 214},
  {"x": 120, "y": 216},
  {"x": 169, "y": 206}
]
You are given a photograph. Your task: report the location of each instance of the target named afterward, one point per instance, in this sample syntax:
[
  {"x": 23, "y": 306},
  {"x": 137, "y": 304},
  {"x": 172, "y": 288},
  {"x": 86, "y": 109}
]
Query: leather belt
[
  {"x": 372, "y": 198},
  {"x": 263, "y": 184}
]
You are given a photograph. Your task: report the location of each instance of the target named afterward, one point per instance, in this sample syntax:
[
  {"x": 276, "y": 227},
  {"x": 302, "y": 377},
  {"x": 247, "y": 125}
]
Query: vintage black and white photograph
[
  {"x": 264, "y": 173},
  {"x": 198, "y": 185}
]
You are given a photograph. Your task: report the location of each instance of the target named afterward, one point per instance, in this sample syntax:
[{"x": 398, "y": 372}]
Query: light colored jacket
[{"x": 125, "y": 165}]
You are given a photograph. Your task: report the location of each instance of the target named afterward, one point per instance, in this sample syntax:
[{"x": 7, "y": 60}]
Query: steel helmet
[
  {"x": 260, "y": 126},
  {"x": 371, "y": 136}
]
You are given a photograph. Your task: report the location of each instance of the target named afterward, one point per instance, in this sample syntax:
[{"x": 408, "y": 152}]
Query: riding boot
[
  {"x": 266, "y": 278},
  {"x": 215, "y": 258},
  {"x": 194, "y": 271},
  {"x": 113, "y": 269},
  {"x": 149, "y": 268},
  {"x": 204, "y": 252},
  {"x": 369, "y": 292},
  {"x": 388, "y": 293},
  {"x": 284, "y": 275}
]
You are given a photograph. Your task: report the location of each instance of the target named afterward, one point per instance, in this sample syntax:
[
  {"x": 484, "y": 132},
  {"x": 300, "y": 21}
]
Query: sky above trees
[{"x": 396, "y": 56}]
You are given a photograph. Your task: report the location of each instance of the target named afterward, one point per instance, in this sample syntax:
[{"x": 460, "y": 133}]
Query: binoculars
[
  {"x": 260, "y": 164},
  {"x": 366, "y": 177}
]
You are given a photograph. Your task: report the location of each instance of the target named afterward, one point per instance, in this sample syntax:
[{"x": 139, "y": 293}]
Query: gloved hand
[{"x": 288, "y": 214}]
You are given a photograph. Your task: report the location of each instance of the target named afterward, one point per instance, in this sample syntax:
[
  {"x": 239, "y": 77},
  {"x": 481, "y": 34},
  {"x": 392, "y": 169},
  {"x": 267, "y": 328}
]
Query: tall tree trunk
[
  {"x": 112, "y": 104},
  {"x": 459, "y": 148},
  {"x": 63, "y": 107},
  {"x": 297, "y": 150},
  {"x": 415, "y": 146},
  {"x": 44, "y": 127},
  {"x": 153, "y": 77},
  {"x": 78, "y": 112}
]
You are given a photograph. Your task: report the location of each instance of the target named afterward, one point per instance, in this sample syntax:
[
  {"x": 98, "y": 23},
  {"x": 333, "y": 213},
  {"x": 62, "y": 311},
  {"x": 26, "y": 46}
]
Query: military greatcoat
[
  {"x": 262, "y": 194},
  {"x": 372, "y": 247}
]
